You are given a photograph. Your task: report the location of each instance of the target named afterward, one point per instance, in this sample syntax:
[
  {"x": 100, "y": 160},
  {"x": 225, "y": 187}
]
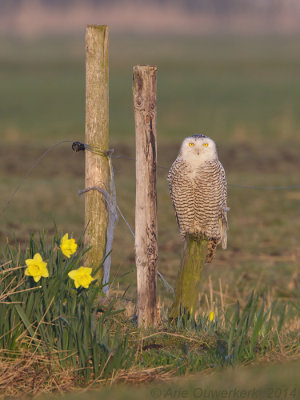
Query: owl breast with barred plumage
[{"x": 198, "y": 191}]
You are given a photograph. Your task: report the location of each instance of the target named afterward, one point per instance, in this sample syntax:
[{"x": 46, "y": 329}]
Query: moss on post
[{"x": 189, "y": 276}]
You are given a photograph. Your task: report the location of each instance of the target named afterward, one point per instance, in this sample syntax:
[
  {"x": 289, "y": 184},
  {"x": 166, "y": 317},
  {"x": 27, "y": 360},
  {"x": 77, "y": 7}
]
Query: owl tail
[
  {"x": 223, "y": 226},
  {"x": 211, "y": 249}
]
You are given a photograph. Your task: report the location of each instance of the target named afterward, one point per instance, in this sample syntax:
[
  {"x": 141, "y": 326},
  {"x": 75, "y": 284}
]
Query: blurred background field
[{"x": 243, "y": 90}]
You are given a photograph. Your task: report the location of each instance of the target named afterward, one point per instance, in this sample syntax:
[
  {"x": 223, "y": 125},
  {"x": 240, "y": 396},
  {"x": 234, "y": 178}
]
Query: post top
[
  {"x": 145, "y": 67},
  {"x": 98, "y": 27}
]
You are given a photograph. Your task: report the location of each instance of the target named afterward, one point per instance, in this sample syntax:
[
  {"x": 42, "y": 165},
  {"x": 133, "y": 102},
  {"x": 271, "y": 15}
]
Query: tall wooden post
[
  {"x": 96, "y": 133},
  {"x": 144, "y": 98}
]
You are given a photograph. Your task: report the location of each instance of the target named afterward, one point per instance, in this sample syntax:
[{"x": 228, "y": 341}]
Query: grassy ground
[{"x": 243, "y": 92}]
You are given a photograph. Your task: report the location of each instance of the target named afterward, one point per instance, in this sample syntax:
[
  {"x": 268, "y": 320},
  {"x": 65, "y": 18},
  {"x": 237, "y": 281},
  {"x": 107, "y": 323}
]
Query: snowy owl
[{"x": 198, "y": 191}]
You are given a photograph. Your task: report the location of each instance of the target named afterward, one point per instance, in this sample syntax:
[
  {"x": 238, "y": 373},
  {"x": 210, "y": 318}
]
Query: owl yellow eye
[
  {"x": 191, "y": 144},
  {"x": 205, "y": 144}
]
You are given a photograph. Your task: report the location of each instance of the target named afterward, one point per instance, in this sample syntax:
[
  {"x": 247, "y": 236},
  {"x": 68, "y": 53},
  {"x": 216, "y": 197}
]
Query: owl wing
[
  {"x": 223, "y": 222},
  {"x": 181, "y": 191}
]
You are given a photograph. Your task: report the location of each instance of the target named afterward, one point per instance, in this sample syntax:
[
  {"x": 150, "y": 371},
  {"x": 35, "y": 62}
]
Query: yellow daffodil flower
[
  {"x": 81, "y": 276},
  {"x": 211, "y": 315},
  {"x": 36, "y": 267},
  {"x": 68, "y": 246}
]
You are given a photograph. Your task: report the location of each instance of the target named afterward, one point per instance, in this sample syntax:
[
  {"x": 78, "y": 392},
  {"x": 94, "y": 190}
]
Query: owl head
[{"x": 198, "y": 148}]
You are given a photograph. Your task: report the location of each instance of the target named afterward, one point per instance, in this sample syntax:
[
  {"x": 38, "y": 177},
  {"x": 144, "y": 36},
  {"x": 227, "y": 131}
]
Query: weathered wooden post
[
  {"x": 96, "y": 134},
  {"x": 144, "y": 98}
]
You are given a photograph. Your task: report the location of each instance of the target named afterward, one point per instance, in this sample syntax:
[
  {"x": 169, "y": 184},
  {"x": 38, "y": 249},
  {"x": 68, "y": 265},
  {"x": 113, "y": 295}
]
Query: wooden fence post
[
  {"x": 189, "y": 277},
  {"x": 144, "y": 98},
  {"x": 96, "y": 134}
]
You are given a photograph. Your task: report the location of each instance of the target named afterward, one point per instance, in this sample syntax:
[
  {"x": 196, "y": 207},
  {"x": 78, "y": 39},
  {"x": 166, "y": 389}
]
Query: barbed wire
[
  {"x": 112, "y": 205},
  {"x": 257, "y": 187},
  {"x": 33, "y": 166},
  {"x": 78, "y": 146},
  {"x": 233, "y": 185}
]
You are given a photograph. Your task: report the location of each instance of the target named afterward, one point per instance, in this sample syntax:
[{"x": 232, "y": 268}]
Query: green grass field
[{"x": 243, "y": 92}]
